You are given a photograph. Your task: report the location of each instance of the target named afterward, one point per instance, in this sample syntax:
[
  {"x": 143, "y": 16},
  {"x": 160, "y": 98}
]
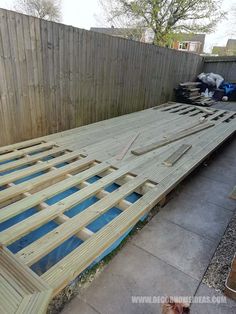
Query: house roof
[
  {"x": 219, "y": 47},
  {"x": 192, "y": 37},
  {"x": 220, "y": 50},
  {"x": 137, "y": 33},
  {"x": 231, "y": 44}
]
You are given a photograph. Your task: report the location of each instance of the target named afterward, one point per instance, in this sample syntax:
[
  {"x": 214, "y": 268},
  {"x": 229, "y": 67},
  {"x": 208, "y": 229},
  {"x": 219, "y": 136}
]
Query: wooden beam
[
  {"x": 60, "y": 274},
  {"x": 47, "y": 178},
  {"x": 38, "y": 168},
  {"x": 69, "y": 267},
  {"x": 172, "y": 138},
  {"x": 25, "y": 144},
  {"x": 47, "y": 243},
  {"x": 83, "y": 234},
  {"x": 21, "y": 290},
  {"x": 29, "y": 159},
  {"x": 22, "y": 152},
  {"x": 33, "y": 222},
  {"x": 173, "y": 158},
  {"x": 39, "y": 197},
  {"x": 122, "y": 154}
]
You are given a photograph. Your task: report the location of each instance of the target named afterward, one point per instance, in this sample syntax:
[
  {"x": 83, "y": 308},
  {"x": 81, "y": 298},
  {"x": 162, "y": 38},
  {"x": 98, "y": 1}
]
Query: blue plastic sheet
[{"x": 65, "y": 248}]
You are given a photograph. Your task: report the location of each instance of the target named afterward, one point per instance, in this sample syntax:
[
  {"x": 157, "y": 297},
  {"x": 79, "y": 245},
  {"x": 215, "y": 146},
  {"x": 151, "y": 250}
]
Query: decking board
[
  {"x": 21, "y": 290},
  {"x": 83, "y": 154}
]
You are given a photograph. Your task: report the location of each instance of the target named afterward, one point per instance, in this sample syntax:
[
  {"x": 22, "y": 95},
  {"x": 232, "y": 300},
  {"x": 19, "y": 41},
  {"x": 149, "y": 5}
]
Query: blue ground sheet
[{"x": 65, "y": 248}]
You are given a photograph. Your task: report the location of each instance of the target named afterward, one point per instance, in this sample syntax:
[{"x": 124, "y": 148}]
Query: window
[{"x": 183, "y": 45}]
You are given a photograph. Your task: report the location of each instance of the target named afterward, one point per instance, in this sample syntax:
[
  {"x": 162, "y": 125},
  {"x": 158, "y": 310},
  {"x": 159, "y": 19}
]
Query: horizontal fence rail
[
  {"x": 55, "y": 77},
  {"x": 223, "y": 65}
]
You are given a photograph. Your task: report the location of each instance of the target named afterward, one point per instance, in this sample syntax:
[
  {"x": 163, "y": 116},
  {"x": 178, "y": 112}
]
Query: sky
[{"x": 88, "y": 13}]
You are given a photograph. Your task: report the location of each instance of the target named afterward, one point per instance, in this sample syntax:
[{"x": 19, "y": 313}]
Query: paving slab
[
  {"x": 134, "y": 272},
  {"x": 212, "y": 308},
  {"x": 196, "y": 215},
  {"x": 178, "y": 247},
  {"x": 219, "y": 158},
  {"x": 226, "y": 152},
  {"x": 225, "y": 105},
  {"x": 78, "y": 306},
  {"x": 208, "y": 190},
  {"x": 220, "y": 169},
  {"x": 229, "y": 148}
]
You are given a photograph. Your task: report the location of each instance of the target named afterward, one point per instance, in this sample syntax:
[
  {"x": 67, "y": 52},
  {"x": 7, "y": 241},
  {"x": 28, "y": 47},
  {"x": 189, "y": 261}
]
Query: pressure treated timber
[
  {"x": 93, "y": 162},
  {"x": 83, "y": 234},
  {"x": 173, "y": 158},
  {"x": 57, "y": 188},
  {"x": 19, "y": 230},
  {"x": 10, "y": 148},
  {"x": 55, "y": 77},
  {"x": 37, "y": 168},
  {"x": 19, "y": 153},
  {"x": 30, "y": 159},
  {"x": 60, "y": 275},
  {"x": 21, "y": 290},
  {"x": 47, "y": 243},
  {"x": 127, "y": 147},
  {"x": 173, "y": 137},
  {"x": 43, "y": 179}
]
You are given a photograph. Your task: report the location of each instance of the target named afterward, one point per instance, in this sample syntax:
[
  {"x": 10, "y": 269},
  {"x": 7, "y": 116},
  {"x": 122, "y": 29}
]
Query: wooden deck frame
[{"x": 63, "y": 161}]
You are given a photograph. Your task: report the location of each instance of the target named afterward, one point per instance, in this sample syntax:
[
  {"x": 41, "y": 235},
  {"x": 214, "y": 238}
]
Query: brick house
[
  {"x": 181, "y": 41},
  {"x": 189, "y": 42}
]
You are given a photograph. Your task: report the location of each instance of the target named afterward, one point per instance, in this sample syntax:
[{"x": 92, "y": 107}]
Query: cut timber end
[{"x": 173, "y": 158}]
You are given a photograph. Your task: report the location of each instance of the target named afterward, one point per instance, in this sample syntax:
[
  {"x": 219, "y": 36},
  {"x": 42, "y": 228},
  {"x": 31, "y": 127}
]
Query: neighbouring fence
[
  {"x": 54, "y": 77},
  {"x": 225, "y": 66}
]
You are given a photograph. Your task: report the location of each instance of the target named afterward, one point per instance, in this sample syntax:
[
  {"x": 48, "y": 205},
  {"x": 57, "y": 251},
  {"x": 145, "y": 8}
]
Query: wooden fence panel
[
  {"x": 54, "y": 77},
  {"x": 225, "y": 66}
]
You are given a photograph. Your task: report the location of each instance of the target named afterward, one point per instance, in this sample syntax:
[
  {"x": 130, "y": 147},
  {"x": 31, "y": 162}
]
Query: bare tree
[
  {"x": 165, "y": 17},
  {"x": 44, "y": 9}
]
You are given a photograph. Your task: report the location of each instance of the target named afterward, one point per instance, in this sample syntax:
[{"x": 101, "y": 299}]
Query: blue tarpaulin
[{"x": 65, "y": 248}]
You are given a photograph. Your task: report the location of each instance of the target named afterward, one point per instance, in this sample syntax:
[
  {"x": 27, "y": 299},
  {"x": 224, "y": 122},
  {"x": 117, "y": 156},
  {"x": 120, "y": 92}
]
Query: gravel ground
[
  {"x": 74, "y": 288},
  {"x": 219, "y": 267}
]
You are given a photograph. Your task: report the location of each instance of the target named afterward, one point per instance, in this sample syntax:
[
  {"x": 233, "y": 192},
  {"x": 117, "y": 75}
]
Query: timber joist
[{"x": 85, "y": 188}]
